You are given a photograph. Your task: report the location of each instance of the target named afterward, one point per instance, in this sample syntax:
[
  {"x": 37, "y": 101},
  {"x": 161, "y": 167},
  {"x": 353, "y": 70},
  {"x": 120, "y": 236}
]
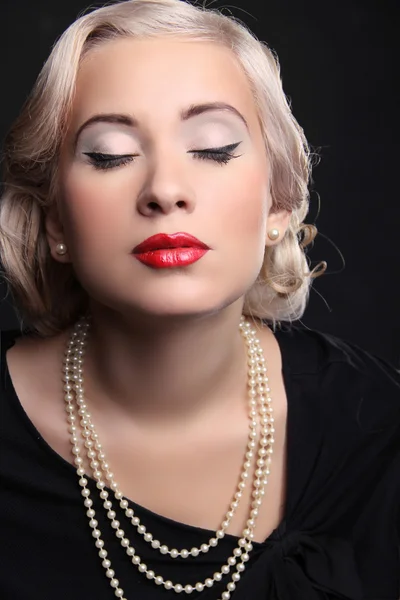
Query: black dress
[{"x": 339, "y": 538}]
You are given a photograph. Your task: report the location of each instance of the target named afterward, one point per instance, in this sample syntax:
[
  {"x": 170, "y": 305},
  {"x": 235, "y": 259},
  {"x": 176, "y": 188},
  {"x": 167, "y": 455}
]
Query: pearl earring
[
  {"x": 61, "y": 249},
  {"x": 273, "y": 234}
]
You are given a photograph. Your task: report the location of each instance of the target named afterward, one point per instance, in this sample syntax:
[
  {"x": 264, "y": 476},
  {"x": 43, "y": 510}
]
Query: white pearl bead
[
  {"x": 225, "y": 569},
  {"x": 158, "y": 580},
  {"x": 150, "y": 574},
  {"x": 178, "y": 588},
  {"x": 174, "y": 553},
  {"x": 188, "y": 589},
  {"x": 194, "y": 552},
  {"x": 217, "y": 576},
  {"x": 168, "y": 585},
  {"x": 225, "y": 595},
  {"x": 199, "y": 587},
  {"x": 209, "y": 582}
]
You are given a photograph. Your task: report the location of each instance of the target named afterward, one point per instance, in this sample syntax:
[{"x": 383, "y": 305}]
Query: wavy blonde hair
[{"x": 47, "y": 295}]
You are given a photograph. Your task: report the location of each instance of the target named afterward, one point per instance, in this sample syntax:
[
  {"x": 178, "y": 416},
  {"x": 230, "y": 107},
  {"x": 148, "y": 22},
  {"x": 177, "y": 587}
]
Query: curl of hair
[{"x": 47, "y": 295}]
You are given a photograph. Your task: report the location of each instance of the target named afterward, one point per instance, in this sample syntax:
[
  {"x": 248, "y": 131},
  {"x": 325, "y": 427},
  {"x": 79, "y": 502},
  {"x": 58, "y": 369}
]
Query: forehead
[{"x": 160, "y": 76}]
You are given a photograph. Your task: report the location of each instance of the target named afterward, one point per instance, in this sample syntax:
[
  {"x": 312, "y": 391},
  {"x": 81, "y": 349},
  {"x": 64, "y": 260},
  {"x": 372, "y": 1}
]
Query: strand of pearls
[
  {"x": 80, "y": 422},
  {"x": 141, "y": 529}
]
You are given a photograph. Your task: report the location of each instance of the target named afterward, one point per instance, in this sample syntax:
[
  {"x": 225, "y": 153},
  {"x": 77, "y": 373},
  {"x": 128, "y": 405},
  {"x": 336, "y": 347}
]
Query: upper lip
[{"x": 161, "y": 241}]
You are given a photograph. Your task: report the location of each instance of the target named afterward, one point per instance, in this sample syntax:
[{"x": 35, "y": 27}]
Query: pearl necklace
[{"x": 80, "y": 422}]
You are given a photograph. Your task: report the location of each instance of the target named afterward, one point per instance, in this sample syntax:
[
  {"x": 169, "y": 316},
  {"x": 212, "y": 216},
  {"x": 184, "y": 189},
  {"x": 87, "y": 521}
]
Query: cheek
[
  {"x": 244, "y": 209},
  {"x": 89, "y": 206}
]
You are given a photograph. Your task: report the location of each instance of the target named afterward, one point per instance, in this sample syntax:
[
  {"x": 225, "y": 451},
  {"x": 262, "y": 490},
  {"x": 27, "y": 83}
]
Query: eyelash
[{"x": 103, "y": 161}]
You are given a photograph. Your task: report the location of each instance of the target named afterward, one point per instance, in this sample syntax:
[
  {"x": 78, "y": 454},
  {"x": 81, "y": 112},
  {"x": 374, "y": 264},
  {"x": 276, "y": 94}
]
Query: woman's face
[{"x": 165, "y": 182}]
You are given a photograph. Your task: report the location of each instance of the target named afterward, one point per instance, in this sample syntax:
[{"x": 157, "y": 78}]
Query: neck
[{"x": 160, "y": 370}]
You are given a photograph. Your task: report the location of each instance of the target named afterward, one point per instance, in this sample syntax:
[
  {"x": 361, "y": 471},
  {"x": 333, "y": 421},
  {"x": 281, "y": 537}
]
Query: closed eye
[
  {"x": 220, "y": 155},
  {"x": 103, "y": 161}
]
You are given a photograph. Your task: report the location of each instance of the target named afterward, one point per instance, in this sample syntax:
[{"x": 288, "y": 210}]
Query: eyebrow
[{"x": 186, "y": 114}]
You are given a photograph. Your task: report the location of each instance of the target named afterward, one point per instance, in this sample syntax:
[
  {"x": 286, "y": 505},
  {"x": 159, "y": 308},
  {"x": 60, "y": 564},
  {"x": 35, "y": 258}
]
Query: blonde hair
[{"x": 47, "y": 294}]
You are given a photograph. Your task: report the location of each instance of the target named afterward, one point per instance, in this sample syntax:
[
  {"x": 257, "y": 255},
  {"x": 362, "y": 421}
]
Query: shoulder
[
  {"x": 345, "y": 377},
  {"x": 312, "y": 351},
  {"x": 29, "y": 361}
]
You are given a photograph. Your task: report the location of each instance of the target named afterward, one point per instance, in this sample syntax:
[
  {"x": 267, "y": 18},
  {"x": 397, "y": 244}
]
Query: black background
[{"x": 339, "y": 64}]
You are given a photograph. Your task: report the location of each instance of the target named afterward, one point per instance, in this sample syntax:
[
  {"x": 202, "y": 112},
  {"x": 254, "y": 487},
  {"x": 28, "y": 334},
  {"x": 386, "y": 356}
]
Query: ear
[
  {"x": 280, "y": 221},
  {"x": 55, "y": 233}
]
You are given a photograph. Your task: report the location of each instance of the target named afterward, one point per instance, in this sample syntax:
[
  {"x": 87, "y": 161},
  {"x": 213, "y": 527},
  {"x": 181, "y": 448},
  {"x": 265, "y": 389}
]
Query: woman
[{"x": 153, "y": 237}]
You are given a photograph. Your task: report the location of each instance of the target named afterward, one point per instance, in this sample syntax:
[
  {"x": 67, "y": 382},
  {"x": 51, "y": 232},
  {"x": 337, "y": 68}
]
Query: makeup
[{"x": 166, "y": 251}]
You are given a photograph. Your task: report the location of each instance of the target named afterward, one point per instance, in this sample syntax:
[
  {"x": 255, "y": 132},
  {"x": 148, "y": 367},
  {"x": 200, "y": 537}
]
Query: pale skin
[{"x": 165, "y": 370}]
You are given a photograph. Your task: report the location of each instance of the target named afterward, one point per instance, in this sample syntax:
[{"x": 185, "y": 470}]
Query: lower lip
[{"x": 170, "y": 258}]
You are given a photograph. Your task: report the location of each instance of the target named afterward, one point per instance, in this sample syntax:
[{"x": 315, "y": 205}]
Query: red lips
[
  {"x": 164, "y": 250},
  {"x": 163, "y": 241}
]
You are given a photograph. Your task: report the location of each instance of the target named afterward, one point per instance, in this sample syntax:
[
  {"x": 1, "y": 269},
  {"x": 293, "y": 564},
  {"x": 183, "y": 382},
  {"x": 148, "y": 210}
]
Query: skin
[{"x": 165, "y": 365}]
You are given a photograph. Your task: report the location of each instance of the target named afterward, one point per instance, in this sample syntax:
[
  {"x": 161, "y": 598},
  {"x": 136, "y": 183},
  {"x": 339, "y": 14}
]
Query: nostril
[{"x": 180, "y": 204}]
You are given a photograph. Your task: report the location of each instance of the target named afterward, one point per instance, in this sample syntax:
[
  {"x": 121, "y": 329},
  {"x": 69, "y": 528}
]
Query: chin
[
  {"x": 187, "y": 298},
  {"x": 164, "y": 307},
  {"x": 178, "y": 308}
]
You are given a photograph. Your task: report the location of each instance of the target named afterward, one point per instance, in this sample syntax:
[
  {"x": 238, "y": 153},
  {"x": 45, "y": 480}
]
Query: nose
[{"x": 166, "y": 189}]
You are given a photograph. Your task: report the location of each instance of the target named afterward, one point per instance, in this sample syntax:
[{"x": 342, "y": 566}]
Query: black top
[{"x": 339, "y": 538}]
